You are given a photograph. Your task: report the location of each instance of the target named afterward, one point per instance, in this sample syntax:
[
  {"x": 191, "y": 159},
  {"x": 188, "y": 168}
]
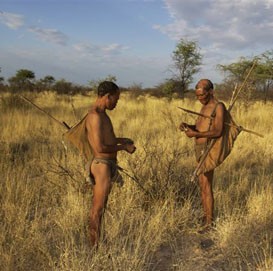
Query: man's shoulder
[
  {"x": 221, "y": 105},
  {"x": 93, "y": 112},
  {"x": 216, "y": 108},
  {"x": 92, "y": 116},
  {"x": 220, "y": 110}
]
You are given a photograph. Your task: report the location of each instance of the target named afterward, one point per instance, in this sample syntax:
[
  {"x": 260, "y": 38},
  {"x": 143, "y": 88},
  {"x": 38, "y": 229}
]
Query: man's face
[
  {"x": 112, "y": 100},
  {"x": 202, "y": 95}
]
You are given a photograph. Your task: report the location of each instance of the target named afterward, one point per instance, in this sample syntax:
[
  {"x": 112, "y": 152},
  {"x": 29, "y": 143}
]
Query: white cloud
[
  {"x": 11, "y": 20},
  {"x": 232, "y": 25},
  {"x": 224, "y": 29},
  {"x": 114, "y": 48},
  {"x": 50, "y": 35},
  {"x": 88, "y": 49}
]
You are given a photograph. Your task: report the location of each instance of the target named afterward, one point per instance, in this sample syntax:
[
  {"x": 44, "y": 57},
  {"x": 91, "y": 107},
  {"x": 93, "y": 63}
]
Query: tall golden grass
[{"x": 45, "y": 201}]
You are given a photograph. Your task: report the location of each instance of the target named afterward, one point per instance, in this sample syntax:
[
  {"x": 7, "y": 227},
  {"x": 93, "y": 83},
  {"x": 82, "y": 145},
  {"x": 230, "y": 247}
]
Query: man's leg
[
  {"x": 205, "y": 182},
  {"x": 101, "y": 191}
]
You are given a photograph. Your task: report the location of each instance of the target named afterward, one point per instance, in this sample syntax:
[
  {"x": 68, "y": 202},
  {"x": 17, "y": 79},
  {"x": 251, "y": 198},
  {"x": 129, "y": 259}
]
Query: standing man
[
  {"x": 105, "y": 146},
  {"x": 205, "y": 129}
]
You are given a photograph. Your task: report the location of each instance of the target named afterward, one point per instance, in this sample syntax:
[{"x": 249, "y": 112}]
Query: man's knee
[
  {"x": 205, "y": 185},
  {"x": 209, "y": 175}
]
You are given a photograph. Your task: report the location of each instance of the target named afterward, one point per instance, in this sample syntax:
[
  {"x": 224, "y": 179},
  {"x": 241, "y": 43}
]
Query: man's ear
[{"x": 107, "y": 95}]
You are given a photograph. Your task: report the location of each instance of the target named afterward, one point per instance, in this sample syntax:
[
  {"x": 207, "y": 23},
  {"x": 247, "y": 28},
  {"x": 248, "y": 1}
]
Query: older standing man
[{"x": 203, "y": 131}]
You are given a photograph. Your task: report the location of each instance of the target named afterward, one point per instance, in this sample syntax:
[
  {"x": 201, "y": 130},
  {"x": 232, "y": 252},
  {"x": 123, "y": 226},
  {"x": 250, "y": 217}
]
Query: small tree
[
  {"x": 45, "y": 83},
  {"x": 23, "y": 80},
  {"x": 95, "y": 83},
  {"x": 264, "y": 73},
  {"x": 235, "y": 76},
  {"x": 261, "y": 79},
  {"x": 237, "y": 70},
  {"x": 68, "y": 88},
  {"x": 187, "y": 60},
  {"x": 63, "y": 87},
  {"x": 1, "y": 78},
  {"x": 169, "y": 87}
]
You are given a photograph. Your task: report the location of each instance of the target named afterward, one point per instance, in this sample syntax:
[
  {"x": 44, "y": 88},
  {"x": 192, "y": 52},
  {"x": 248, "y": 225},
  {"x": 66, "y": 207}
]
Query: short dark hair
[
  {"x": 106, "y": 87},
  {"x": 206, "y": 84}
]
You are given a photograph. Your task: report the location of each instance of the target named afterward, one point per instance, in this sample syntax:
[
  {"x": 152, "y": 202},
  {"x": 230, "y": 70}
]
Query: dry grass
[{"x": 45, "y": 202}]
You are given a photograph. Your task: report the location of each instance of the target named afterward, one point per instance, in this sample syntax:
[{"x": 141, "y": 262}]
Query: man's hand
[
  {"x": 124, "y": 140},
  {"x": 189, "y": 132},
  {"x": 128, "y": 141},
  {"x": 183, "y": 127},
  {"x": 188, "y": 129},
  {"x": 131, "y": 148}
]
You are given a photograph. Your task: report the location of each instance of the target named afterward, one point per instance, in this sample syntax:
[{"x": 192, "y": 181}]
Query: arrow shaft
[
  {"x": 135, "y": 180},
  {"x": 225, "y": 123},
  {"x": 235, "y": 96},
  {"x": 195, "y": 113},
  {"x": 42, "y": 110}
]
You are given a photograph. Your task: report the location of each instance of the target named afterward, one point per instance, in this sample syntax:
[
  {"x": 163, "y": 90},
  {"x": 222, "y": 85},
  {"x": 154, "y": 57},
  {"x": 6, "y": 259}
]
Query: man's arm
[
  {"x": 95, "y": 135},
  {"x": 217, "y": 128},
  {"x": 124, "y": 140}
]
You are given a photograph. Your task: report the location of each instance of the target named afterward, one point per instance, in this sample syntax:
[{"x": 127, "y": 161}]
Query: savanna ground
[{"x": 45, "y": 201}]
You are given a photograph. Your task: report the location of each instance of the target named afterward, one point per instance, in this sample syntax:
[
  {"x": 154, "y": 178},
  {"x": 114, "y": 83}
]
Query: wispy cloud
[
  {"x": 233, "y": 24},
  {"x": 99, "y": 50},
  {"x": 50, "y": 35},
  {"x": 11, "y": 20}
]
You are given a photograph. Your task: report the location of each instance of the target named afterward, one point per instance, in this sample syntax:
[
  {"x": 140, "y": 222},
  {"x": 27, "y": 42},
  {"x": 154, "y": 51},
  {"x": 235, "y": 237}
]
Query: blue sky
[{"x": 83, "y": 40}]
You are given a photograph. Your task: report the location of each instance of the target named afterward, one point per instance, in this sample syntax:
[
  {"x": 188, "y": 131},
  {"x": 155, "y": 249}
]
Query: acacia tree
[
  {"x": 23, "y": 80},
  {"x": 45, "y": 83},
  {"x": 237, "y": 70},
  {"x": 63, "y": 87},
  {"x": 1, "y": 78},
  {"x": 261, "y": 79},
  {"x": 264, "y": 73},
  {"x": 187, "y": 61}
]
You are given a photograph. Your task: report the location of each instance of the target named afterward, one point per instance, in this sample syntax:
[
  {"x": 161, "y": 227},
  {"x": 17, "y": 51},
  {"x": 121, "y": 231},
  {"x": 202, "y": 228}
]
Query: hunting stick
[
  {"x": 249, "y": 131},
  {"x": 233, "y": 93},
  {"x": 225, "y": 123},
  {"x": 136, "y": 181},
  {"x": 203, "y": 158},
  {"x": 63, "y": 123},
  {"x": 195, "y": 113},
  {"x": 235, "y": 96}
]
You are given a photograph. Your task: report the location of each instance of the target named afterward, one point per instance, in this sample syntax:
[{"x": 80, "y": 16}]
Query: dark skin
[
  {"x": 201, "y": 134},
  {"x": 105, "y": 145}
]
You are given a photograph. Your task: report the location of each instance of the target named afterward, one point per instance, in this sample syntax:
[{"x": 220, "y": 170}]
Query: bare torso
[
  {"x": 104, "y": 133},
  {"x": 203, "y": 124}
]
